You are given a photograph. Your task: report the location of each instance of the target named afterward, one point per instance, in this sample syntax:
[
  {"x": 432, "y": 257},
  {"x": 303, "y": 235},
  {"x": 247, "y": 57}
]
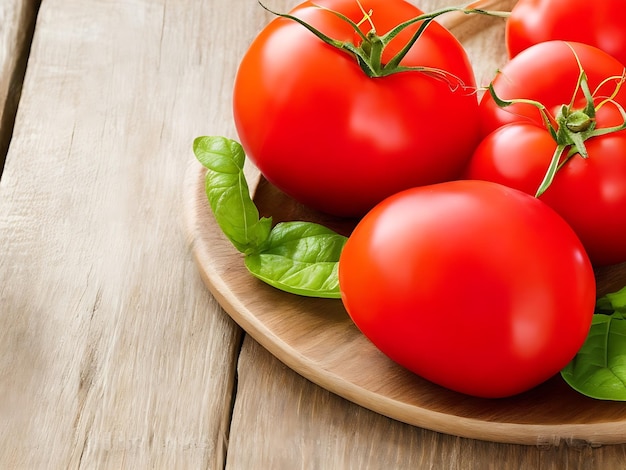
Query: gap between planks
[
  {"x": 234, "y": 394},
  {"x": 13, "y": 64}
]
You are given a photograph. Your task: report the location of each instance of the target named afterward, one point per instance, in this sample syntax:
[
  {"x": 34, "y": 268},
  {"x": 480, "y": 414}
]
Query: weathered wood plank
[
  {"x": 17, "y": 21},
  {"x": 112, "y": 352},
  {"x": 283, "y": 421}
]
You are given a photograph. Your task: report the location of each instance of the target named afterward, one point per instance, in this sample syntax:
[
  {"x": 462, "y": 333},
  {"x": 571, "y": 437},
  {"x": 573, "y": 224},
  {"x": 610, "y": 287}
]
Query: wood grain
[
  {"x": 299, "y": 425},
  {"x": 112, "y": 352},
  {"x": 17, "y": 21}
]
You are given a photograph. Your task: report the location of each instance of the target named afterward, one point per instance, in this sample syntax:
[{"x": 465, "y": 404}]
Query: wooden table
[{"x": 113, "y": 354}]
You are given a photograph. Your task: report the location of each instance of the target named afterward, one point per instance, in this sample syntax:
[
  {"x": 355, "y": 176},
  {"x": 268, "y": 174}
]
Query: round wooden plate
[{"x": 317, "y": 339}]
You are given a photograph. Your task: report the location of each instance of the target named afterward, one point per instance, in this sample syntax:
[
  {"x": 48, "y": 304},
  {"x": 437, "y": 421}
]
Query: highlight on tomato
[
  {"x": 475, "y": 286},
  {"x": 339, "y": 108},
  {"x": 554, "y": 127},
  {"x": 599, "y": 23}
]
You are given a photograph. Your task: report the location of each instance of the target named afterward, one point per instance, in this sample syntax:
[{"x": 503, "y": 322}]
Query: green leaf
[
  {"x": 229, "y": 195},
  {"x": 599, "y": 368},
  {"x": 613, "y": 302},
  {"x": 301, "y": 258},
  {"x": 297, "y": 257}
]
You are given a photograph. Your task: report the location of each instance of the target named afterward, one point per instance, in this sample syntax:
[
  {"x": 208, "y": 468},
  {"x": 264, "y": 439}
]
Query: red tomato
[
  {"x": 590, "y": 193},
  {"x": 325, "y": 133},
  {"x": 547, "y": 73},
  {"x": 598, "y": 23},
  {"x": 472, "y": 285}
]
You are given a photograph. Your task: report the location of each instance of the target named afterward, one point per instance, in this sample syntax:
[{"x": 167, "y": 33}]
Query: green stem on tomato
[
  {"x": 369, "y": 53},
  {"x": 571, "y": 127}
]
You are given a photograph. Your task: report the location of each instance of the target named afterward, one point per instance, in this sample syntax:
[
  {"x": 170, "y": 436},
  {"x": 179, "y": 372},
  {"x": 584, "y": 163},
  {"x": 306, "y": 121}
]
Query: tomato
[
  {"x": 590, "y": 193},
  {"x": 337, "y": 140},
  {"x": 547, "y": 73},
  {"x": 599, "y": 23},
  {"x": 472, "y": 285}
]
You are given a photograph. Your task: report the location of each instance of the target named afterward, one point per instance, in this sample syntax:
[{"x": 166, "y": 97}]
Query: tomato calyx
[
  {"x": 369, "y": 52},
  {"x": 571, "y": 127}
]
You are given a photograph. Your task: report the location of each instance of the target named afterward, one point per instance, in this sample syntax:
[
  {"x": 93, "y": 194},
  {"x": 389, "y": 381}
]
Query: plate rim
[{"x": 198, "y": 214}]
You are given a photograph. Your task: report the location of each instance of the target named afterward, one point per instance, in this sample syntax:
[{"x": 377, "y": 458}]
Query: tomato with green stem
[
  {"x": 560, "y": 136},
  {"x": 472, "y": 285},
  {"x": 340, "y": 103}
]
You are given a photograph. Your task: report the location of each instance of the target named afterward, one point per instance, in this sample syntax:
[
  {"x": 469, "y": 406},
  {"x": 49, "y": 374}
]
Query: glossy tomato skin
[
  {"x": 517, "y": 148},
  {"x": 336, "y": 140},
  {"x": 548, "y": 73},
  {"x": 599, "y": 23},
  {"x": 590, "y": 194},
  {"x": 472, "y": 285}
]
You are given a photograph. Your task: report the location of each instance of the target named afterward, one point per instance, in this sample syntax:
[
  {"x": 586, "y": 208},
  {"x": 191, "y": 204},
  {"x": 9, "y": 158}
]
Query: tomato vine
[
  {"x": 370, "y": 51},
  {"x": 571, "y": 127}
]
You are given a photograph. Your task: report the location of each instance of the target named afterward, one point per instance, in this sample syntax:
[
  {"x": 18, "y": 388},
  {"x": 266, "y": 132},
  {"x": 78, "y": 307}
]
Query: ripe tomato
[
  {"x": 548, "y": 73},
  {"x": 590, "y": 193},
  {"x": 472, "y": 285},
  {"x": 599, "y": 23},
  {"x": 325, "y": 133}
]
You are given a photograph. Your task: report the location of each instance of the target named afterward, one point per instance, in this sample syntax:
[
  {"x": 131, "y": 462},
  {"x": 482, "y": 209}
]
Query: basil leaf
[
  {"x": 599, "y": 369},
  {"x": 301, "y": 258},
  {"x": 228, "y": 193},
  {"x": 297, "y": 257},
  {"x": 613, "y": 302}
]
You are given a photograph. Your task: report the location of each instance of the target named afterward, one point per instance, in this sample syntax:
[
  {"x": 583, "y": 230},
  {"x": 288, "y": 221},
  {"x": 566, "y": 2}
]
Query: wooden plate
[{"x": 317, "y": 339}]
